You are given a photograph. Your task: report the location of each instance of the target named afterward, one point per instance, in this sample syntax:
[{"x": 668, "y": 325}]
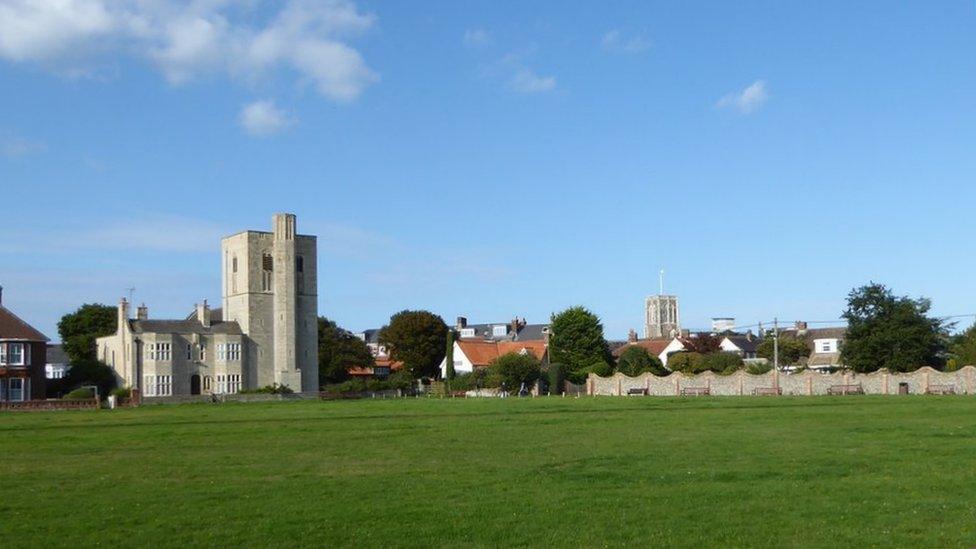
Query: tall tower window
[{"x": 267, "y": 268}]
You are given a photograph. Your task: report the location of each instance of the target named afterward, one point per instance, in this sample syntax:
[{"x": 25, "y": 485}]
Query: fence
[
  {"x": 37, "y": 405},
  {"x": 923, "y": 380}
]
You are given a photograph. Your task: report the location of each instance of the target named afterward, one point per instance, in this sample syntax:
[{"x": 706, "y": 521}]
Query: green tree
[
  {"x": 513, "y": 369},
  {"x": 577, "y": 342},
  {"x": 449, "y": 356},
  {"x": 89, "y": 371},
  {"x": 557, "y": 378},
  {"x": 340, "y": 350},
  {"x": 791, "y": 349},
  {"x": 635, "y": 360},
  {"x": 416, "y": 338},
  {"x": 78, "y": 330},
  {"x": 722, "y": 362},
  {"x": 963, "y": 349},
  {"x": 688, "y": 362},
  {"x": 887, "y": 331}
]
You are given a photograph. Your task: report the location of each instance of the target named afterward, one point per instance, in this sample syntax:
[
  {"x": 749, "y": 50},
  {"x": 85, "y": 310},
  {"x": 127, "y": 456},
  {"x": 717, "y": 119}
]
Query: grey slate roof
[
  {"x": 184, "y": 327},
  {"x": 529, "y": 332},
  {"x": 56, "y": 354},
  {"x": 745, "y": 344}
]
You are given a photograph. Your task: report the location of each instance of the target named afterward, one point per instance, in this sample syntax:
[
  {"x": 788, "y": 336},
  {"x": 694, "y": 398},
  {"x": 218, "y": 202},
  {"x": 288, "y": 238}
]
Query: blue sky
[{"x": 492, "y": 159}]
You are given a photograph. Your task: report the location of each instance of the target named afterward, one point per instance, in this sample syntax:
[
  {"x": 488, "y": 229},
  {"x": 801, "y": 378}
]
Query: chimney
[
  {"x": 203, "y": 314},
  {"x": 800, "y": 326},
  {"x": 461, "y": 323},
  {"x": 515, "y": 325},
  {"x": 123, "y": 314},
  {"x": 632, "y": 336},
  {"x": 1, "y": 296},
  {"x": 546, "y": 334},
  {"x": 142, "y": 312}
]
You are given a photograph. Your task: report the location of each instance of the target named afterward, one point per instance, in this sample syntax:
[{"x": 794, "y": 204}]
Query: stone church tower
[{"x": 270, "y": 289}]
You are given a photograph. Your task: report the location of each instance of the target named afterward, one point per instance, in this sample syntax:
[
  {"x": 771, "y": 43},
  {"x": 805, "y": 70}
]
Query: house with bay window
[{"x": 23, "y": 354}]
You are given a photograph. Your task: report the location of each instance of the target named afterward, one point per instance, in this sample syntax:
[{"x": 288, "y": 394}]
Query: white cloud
[
  {"x": 614, "y": 41},
  {"x": 13, "y": 146},
  {"x": 746, "y": 101},
  {"x": 147, "y": 232},
  {"x": 527, "y": 81},
  {"x": 477, "y": 37},
  {"x": 264, "y": 118},
  {"x": 186, "y": 39}
]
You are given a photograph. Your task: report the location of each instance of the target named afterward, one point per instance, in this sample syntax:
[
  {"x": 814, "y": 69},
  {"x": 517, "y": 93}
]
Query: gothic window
[
  {"x": 267, "y": 267},
  {"x": 234, "y": 264}
]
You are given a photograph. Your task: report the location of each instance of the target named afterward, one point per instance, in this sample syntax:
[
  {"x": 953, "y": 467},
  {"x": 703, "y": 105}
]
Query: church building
[{"x": 265, "y": 332}]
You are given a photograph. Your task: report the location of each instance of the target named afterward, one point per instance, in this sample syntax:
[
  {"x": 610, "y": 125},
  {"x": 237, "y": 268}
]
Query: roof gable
[{"x": 12, "y": 327}]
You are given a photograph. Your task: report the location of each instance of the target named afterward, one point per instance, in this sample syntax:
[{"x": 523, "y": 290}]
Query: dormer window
[
  {"x": 467, "y": 332},
  {"x": 499, "y": 331}
]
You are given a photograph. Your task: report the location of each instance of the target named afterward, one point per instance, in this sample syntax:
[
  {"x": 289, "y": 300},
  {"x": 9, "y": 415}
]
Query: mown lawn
[{"x": 806, "y": 471}]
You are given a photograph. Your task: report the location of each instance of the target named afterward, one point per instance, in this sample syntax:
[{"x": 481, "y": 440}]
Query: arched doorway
[{"x": 194, "y": 384}]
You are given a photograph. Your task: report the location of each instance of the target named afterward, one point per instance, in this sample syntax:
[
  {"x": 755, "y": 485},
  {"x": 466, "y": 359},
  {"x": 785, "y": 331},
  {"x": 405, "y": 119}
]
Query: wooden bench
[
  {"x": 849, "y": 389},
  {"x": 640, "y": 391},
  {"x": 940, "y": 390},
  {"x": 695, "y": 391},
  {"x": 758, "y": 391}
]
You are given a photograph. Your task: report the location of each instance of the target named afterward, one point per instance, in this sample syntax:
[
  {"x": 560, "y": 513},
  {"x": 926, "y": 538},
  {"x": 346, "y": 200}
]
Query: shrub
[
  {"x": 635, "y": 360},
  {"x": 80, "y": 394},
  {"x": 722, "y": 362},
  {"x": 687, "y": 362},
  {"x": 759, "y": 368},
  {"x": 401, "y": 379},
  {"x": 557, "y": 378},
  {"x": 121, "y": 392},
  {"x": 273, "y": 389},
  {"x": 600, "y": 368},
  {"x": 513, "y": 369}
]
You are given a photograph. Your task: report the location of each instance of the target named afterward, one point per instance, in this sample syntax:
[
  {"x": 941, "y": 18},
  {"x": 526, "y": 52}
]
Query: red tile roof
[
  {"x": 12, "y": 327},
  {"x": 481, "y": 352},
  {"x": 653, "y": 346}
]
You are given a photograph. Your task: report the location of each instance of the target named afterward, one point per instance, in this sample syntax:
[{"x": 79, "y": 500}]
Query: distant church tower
[
  {"x": 270, "y": 288},
  {"x": 661, "y": 318}
]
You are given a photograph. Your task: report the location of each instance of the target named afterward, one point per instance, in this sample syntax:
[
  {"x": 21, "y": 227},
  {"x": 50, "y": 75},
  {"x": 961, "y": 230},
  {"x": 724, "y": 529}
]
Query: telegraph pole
[{"x": 776, "y": 344}]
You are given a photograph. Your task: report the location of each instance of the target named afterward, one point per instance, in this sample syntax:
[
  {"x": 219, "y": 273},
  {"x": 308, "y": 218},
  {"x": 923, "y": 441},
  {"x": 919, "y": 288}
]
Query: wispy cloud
[
  {"x": 747, "y": 100},
  {"x": 264, "y": 118},
  {"x": 477, "y": 38},
  {"x": 168, "y": 233},
  {"x": 527, "y": 81},
  {"x": 186, "y": 40},
  {"x": 615, "y": 41},
  {"x": 12, "y": 146}
]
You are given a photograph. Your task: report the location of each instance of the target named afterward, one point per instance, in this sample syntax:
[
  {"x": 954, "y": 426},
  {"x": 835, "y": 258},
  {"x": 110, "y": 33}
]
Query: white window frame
[
  {"x": 499, "y": 331},
  {"x": 467, "y": 332},
  {"x": 3, "y": 353},
  {"x": 10, "y": 354},
  {"x": 22, "y": 389}
]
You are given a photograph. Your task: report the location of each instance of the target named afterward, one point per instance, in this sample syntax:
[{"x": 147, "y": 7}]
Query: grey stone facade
[{"x": 265, "y": 333}]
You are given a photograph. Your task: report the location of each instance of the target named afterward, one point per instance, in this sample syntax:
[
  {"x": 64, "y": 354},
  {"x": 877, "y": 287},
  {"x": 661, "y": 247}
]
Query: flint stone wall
[{"x": 806, "y": 383}]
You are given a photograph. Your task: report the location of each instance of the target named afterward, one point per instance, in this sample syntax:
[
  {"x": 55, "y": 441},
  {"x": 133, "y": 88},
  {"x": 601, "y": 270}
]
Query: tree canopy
[
  {"x": 791, "y": 349},
  {"x": 887, "y": 331},
  {"x": 635, "y": 360},
  {"x": 416, "y": 338},
  {"x": 577, "y": 342},
  {"x": 340, "y": 350},
  {"x": 513, "y": 369},
  {"x": 78, "y": 330},
  {"x": 963, "y": 349}
]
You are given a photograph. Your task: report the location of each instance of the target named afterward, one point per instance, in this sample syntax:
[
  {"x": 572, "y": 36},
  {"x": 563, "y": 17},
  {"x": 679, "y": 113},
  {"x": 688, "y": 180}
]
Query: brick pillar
[
  {"x": 741, "y": 374},
  {"x": 619, "y": 390},
  {"x": 809, "y": 383},
  {"x": 925, "y": 389},
  {"x": 884, "y": 382},
  {"x": 677, "y": 384}
]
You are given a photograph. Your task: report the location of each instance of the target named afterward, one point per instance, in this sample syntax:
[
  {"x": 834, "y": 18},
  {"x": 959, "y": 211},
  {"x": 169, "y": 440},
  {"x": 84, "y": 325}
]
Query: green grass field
[{"x": 805, "y": 471}]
